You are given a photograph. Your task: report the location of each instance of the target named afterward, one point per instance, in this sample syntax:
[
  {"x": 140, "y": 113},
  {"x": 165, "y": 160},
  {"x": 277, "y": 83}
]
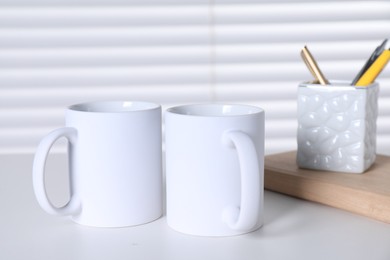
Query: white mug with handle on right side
[{"x": 214, "y": 169}]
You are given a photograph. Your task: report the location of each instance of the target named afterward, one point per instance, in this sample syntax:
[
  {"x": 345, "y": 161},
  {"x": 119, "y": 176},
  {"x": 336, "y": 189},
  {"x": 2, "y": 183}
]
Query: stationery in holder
[
  {"x": 337, "y": 120},
  {"x": 378, "y": 50},
  {"x": 313, "y": 67},
  {"x": 375, "y": 69}
]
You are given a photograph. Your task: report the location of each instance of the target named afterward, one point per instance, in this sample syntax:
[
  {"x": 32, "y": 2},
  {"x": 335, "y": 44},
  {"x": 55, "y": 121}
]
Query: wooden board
[{"x": 367, "y": 194}]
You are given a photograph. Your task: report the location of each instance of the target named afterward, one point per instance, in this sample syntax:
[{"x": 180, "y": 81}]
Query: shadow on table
[{"x": 281, "y": 215}]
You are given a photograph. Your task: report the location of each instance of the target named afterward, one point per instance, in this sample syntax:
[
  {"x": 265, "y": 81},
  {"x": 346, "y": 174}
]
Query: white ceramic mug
[
  {"x": 114, "y": 164},
  {"x": 214, "y": 169}
]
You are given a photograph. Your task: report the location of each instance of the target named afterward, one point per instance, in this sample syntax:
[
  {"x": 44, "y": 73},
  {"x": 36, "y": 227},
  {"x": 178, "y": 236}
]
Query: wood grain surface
[{"x": 367, "y": 194}]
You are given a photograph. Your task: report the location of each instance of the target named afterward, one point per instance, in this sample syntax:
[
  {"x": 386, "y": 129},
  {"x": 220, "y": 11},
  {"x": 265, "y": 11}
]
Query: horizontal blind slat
[
  {"x": 303, "y": 32},
  {"x": 171, "y": 74},
  {"x": 170, "y": 55},
  {"x": 280, "y": 71},
  {"x": 284, "y": 52},
  {"x": 194, "y": 14},
  {"x": 108, "y": 3},
  {"x": 102, "y": 76},
  {"x": 104, "y": 36},
  {"x": 98, "y": 57},
  {"x": 49, "y": 17},
  {"x": 297, "y": 71},
  {"x": 301, "y": 12},
  {"x": 28, "y": 98},
  {"x": 189, "y": 35}
]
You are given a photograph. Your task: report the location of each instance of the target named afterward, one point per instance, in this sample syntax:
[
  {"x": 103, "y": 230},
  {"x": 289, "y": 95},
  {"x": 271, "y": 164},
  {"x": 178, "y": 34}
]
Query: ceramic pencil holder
[{"x": 337, "y": 126}]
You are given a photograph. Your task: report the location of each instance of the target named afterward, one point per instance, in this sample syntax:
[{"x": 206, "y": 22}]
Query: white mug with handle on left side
[{"x": 115, "y": 164}]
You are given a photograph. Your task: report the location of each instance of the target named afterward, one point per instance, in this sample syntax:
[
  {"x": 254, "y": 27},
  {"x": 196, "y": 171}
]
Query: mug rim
[
  {"x": 114, "y": 106},
  {"x": 189, "y": 110}
]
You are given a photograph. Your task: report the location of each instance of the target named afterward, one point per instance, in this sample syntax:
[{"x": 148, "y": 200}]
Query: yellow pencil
[{"x": 373, "y": 71}]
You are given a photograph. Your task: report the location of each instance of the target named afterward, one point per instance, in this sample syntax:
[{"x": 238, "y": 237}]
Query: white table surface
[{"x": 293, "y": 229}]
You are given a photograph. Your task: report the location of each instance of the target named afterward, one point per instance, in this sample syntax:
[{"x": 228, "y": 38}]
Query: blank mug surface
[
  {"x": 115, "y": 164},
  {"x": 204, "y": 185}
]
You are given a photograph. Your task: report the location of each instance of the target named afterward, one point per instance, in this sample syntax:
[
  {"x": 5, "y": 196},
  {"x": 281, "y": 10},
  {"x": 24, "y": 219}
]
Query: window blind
[{"x": 57, "y": 53}]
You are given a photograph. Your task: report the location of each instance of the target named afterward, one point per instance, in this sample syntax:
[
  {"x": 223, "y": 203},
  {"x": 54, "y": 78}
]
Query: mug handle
[
  {"x": 39, "y": 172},
  {"x": 245, "y": 216}
]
